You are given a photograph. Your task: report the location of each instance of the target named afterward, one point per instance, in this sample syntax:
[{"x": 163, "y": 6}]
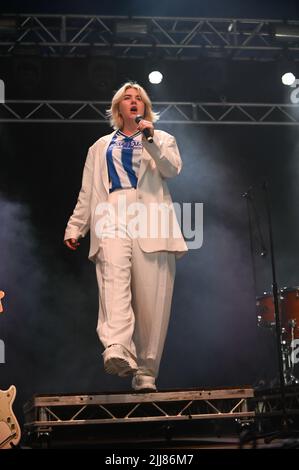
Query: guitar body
[{"x": 10, "y": 433}]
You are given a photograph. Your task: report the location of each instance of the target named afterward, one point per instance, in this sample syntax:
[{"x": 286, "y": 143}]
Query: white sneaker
[
  {"x": 118, "y": 360},
  {"x": 144, "y": 383}
]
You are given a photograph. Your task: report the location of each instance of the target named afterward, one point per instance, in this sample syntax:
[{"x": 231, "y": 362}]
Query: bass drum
[
  {"x": 290, "y": 312},
  {"x": 265, "y": 310}
]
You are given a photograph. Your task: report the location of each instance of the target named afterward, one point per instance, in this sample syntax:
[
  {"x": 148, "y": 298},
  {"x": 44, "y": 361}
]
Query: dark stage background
[{"x": 51, "y": 300}]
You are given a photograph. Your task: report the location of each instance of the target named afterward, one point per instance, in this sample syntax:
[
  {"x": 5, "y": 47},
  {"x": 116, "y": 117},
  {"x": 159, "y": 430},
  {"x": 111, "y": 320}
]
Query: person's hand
[
  {"x": 143, "y": 124},
  {"x": 72, "y": 243}
]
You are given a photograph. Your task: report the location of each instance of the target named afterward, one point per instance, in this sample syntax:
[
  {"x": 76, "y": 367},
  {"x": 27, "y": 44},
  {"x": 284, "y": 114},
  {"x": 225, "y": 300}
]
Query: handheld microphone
[{"x": 145, "y": 132}]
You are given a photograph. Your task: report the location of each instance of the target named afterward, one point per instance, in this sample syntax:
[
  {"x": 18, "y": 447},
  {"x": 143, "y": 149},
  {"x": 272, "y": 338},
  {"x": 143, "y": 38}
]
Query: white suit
[{"x": 135, "y": 276}]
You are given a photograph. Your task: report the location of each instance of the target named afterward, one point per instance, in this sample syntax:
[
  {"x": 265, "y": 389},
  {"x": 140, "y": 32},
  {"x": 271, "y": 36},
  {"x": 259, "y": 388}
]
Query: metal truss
[
  {"x": 140, "y": 37},
  {"x": 222, "y": 113},
  {"x": 193, "y": 416},
  {"x": 46, "y": 412},
  {"x": 269, "y": 403}
]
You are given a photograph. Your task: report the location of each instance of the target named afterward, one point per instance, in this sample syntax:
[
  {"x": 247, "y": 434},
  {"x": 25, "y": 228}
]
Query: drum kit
[{"x": 289, "y": 319}]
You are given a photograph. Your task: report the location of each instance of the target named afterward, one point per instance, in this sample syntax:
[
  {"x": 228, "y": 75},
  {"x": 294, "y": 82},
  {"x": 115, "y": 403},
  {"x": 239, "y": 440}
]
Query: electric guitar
[{"x": 10, "y": 433}]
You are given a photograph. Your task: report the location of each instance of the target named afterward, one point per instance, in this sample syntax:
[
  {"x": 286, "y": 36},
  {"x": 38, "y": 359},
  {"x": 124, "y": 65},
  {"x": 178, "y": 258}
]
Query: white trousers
[{"x": 135, "y": 293}]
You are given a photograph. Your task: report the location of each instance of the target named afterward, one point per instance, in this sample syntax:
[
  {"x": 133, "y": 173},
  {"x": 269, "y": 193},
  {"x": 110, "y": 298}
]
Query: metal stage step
[
  {"x": 235, "y": 417},
  {"x": 174, "y": 418}
]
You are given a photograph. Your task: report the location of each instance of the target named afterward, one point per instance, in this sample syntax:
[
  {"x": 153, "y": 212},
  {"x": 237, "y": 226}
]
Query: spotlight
[
  {"x": 155, "y": 77},
  {"x": 288, "y": 78}
]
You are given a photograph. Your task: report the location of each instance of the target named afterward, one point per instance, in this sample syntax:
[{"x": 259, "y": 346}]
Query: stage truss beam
[
  {"x": 55, "y": 35},
  {"x": 189, "y": 113}
]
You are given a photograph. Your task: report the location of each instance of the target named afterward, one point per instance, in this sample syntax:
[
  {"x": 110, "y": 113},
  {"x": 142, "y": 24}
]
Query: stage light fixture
[
  {"x": 288, "y": 78},
  {"x": 8, "y": 24},
  {"x": 155, "y": 77},
  {"x": 131, "y": 28}
]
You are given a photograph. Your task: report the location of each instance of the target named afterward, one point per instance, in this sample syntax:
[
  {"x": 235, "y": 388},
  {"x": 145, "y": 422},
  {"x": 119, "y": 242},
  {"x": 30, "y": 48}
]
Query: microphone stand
[
  {"x": 263, "y": 251},
  {"x": 276, "y": 309}
]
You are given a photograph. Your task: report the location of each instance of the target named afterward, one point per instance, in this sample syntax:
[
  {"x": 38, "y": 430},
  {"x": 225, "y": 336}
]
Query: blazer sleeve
[
  {"x": 79, "y": 222},
  {"x": 165, "y": 153}
]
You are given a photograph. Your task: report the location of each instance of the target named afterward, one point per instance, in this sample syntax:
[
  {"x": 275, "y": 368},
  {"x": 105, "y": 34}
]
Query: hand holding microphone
[{"x": 146, "y": 131}]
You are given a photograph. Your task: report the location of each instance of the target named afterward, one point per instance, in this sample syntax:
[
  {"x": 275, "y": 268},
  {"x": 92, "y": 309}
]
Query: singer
[{"x": 135, "y": 274}]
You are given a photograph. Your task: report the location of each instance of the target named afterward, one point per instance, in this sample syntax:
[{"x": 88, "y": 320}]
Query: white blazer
[{"x": 160, "y": 160}]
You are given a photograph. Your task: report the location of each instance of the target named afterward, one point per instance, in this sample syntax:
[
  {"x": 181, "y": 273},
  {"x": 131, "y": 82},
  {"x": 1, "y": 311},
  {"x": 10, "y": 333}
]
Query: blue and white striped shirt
[{"x": 123, "y": 160}]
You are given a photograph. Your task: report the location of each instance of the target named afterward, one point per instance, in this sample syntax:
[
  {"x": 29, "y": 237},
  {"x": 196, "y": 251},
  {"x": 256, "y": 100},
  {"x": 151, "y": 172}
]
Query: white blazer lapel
[
  {"x": 104, "y": 167},
  {"x": 143, "y": 165}
]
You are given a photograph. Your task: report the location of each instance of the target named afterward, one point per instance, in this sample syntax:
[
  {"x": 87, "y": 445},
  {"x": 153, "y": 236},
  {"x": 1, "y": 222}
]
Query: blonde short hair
[{"x": 116, "y": 119}]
